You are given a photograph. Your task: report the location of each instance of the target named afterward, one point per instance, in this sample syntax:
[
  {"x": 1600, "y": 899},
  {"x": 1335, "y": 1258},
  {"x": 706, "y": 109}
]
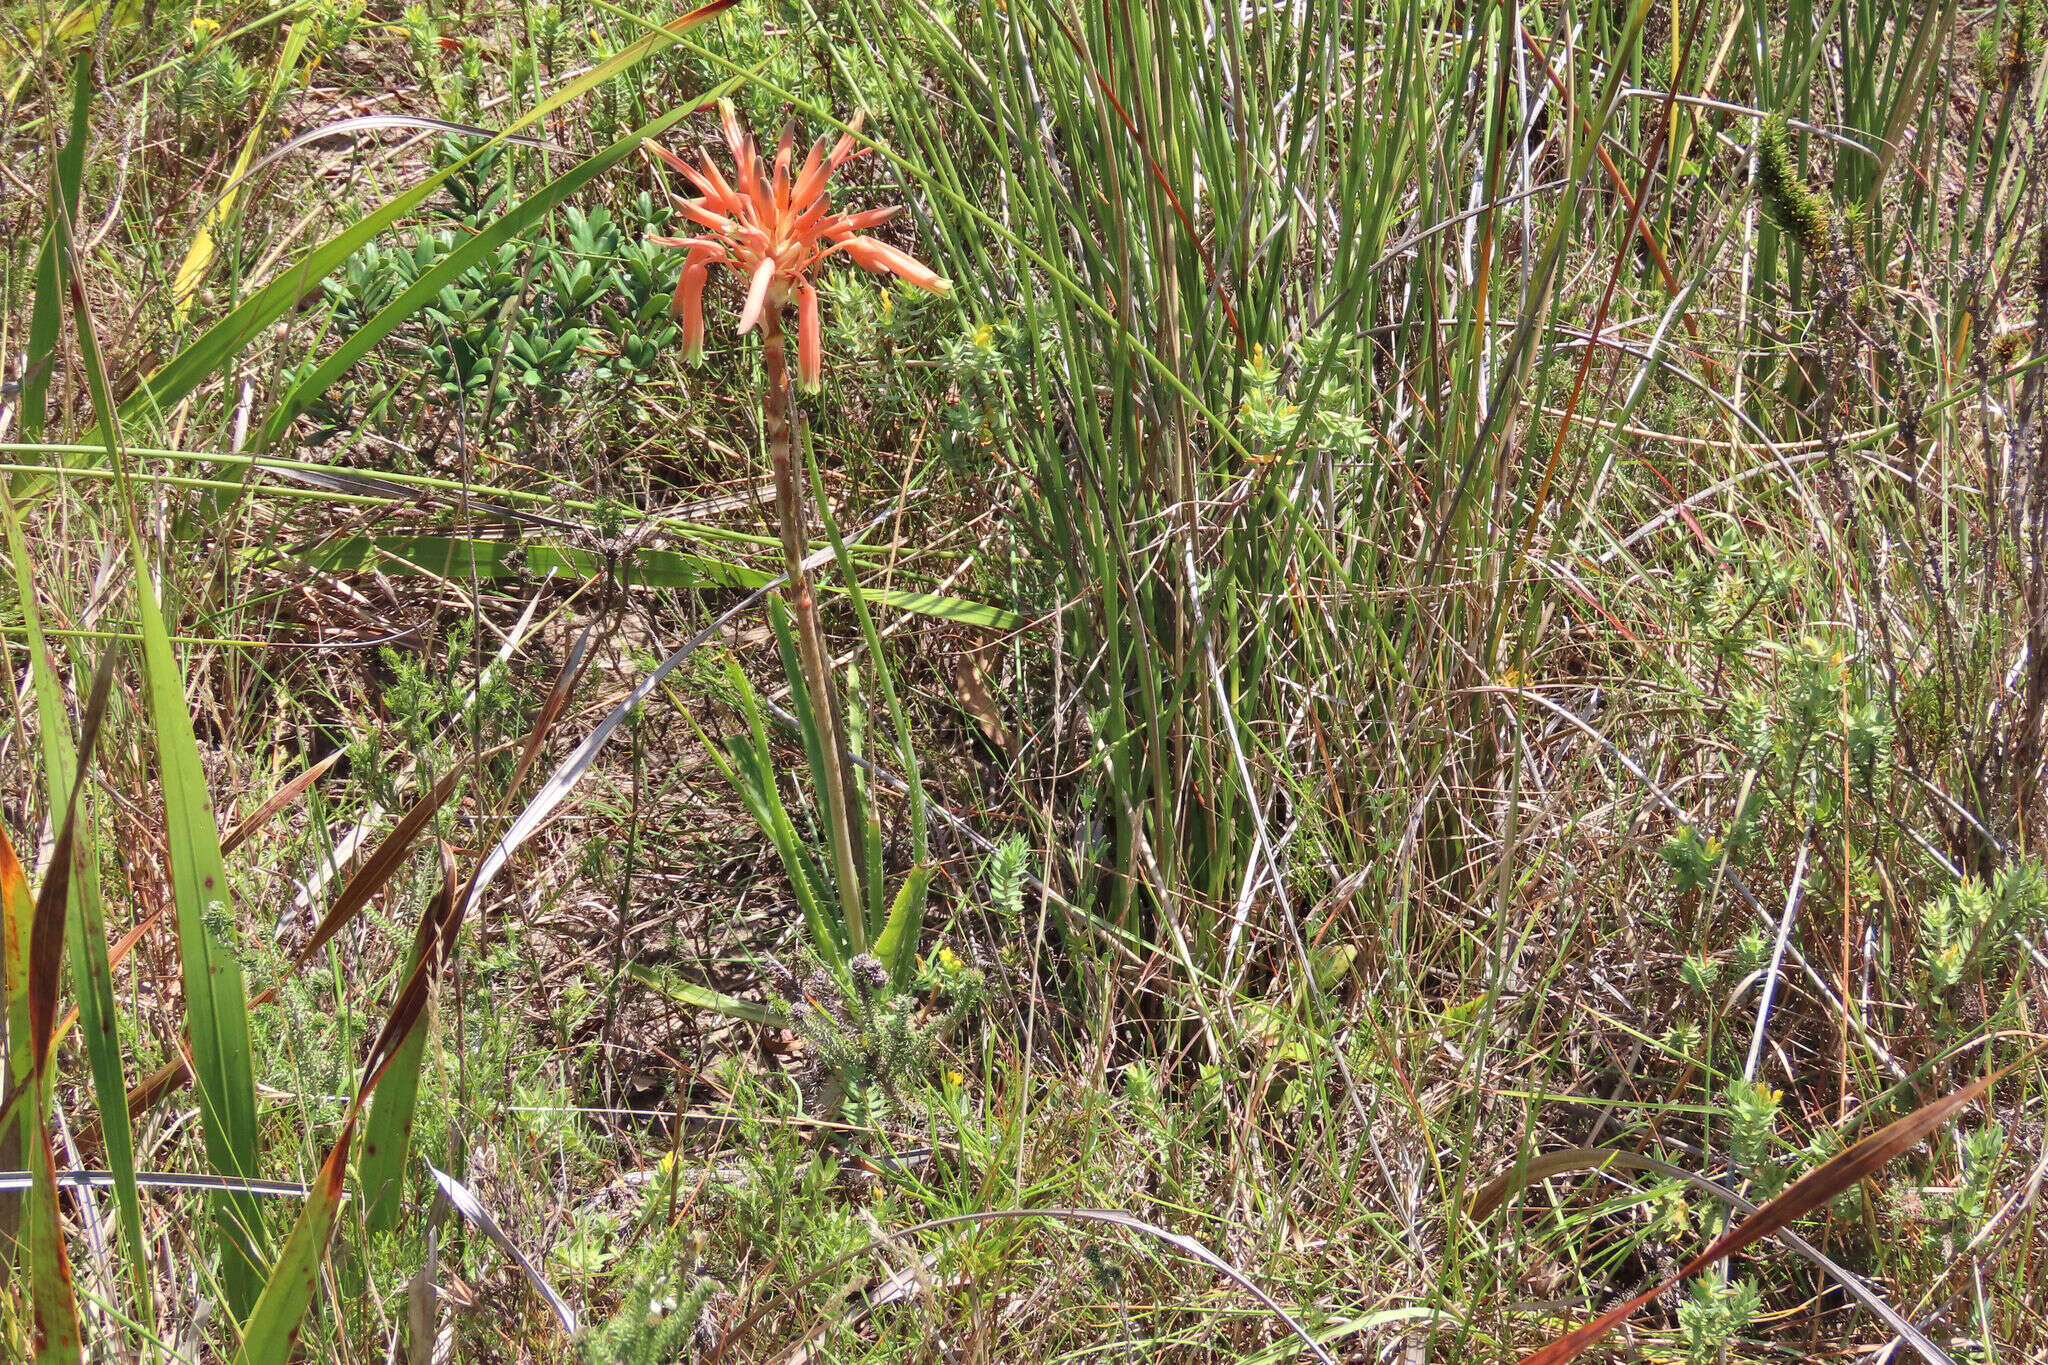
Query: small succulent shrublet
[
  {"x": 870, "y": 1039},
  {"x": 775, "y": 227}
]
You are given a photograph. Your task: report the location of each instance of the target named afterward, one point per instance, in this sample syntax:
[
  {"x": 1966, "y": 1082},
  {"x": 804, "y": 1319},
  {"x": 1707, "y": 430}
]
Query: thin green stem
[{"x": 793, "y": 513}]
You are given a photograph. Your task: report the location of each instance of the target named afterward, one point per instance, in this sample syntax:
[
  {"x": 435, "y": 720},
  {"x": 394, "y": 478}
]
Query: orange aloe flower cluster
[{"x": 775, "y": 228}]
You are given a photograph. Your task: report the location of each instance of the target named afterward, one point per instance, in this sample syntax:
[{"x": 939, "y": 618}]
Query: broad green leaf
[
  {"x": 897, "y": 947},
  {"x": 216, "y": 1005},
  {"x": 799, "y": 690},
  {"x": 461, "y": 557},
  {"x": 701, "y": 997},
  {"x": 272, "y": 1333},
  {"x": 216, "y": 1002},
  {"x": 387, "y": 1138}
]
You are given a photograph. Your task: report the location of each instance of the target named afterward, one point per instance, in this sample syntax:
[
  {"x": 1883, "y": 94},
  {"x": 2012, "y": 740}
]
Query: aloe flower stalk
[{"x": 774, "y": 227}]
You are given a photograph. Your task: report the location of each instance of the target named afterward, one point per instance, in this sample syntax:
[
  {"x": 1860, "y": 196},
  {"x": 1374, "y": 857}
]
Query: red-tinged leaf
[
  {"x": 368, "y": 880},
  {"x": 272, "y": 1333},
  {"x": 376, "y": 870},
  {"x": 395, "y": 1060},
  {"x": 551, "y": 710},
  {"x": 1520, "y": 1176},
  {"x": 1814, "y": 1190},
  {"x": 279, "y": 799},
  {"x": 57, "y": 1340},
  {"x": 433, "y": 944},
  {"x": 56, "y": 1335},
  {"x": 17, "y": 910},
  {"x": 46, "y": 936}
]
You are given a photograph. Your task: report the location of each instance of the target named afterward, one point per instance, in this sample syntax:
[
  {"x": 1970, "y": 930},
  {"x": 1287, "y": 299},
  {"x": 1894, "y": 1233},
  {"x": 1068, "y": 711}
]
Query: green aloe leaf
[{"x": 897, "y": 946}]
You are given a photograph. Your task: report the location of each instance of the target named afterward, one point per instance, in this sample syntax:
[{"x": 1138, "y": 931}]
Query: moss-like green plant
[
  {"x": 1795, "y": 206},
  {"x": 656, "y": 1324},
  {"x": 1753, "y": 1132},
  {"x": 1711, "y": 1316},
  {"x": 1969, "y": 932}
]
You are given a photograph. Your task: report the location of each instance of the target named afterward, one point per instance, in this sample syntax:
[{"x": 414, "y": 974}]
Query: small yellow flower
[
  {"x": 203, "y": 27},
  {"x": 955, "y": 1079},
  {"x": 985, "y": 335},
  {"x": 949, "y": 959}
]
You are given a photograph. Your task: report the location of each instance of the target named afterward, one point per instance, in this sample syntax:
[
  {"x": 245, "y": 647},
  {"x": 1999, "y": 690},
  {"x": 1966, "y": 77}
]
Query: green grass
[{"x": 1422, "y": 605}]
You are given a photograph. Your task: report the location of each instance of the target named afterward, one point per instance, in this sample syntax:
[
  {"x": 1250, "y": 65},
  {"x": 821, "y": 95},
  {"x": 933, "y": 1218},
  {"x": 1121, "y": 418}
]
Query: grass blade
[
  {"x": 216, "y": 1007},
  {"x": 199, "y": 256},
  {"x": 46, "y": 321},
  {"x": 476, "y": 1215},
  {"x": 87, "y": 926}
]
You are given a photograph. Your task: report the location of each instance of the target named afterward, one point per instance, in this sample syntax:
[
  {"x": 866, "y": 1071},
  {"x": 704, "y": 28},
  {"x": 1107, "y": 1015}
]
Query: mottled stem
[{"x": 792, "y": 510}]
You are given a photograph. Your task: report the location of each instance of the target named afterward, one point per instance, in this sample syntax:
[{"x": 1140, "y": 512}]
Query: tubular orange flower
[
  {"x": 810, "y": 350},
  {"x": 775, "y": 227},
  {"x": 688, "y": 302}
]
